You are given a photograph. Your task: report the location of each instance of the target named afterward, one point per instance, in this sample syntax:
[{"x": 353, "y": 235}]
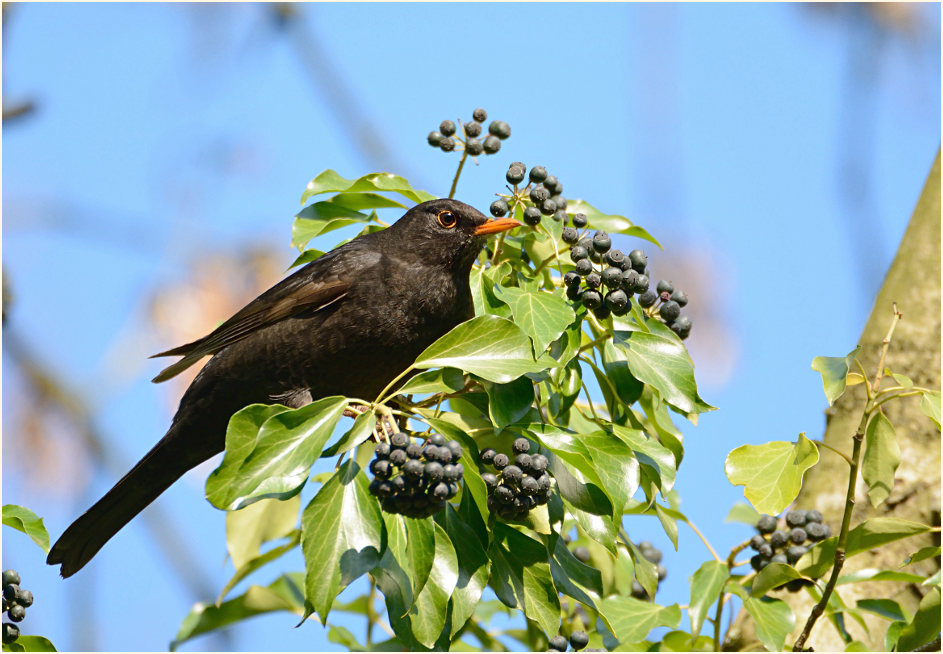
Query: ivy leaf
[
  {"x": 527, "y": 562},
  {"x": 321, "y": 218},
  {"x": 616, "y": 465},
  {"x": 930, "y": 405},
  {"x": 834, "y": 371},
  {"x": 771, "y": 472},
  {"x": 773, "y": 618},
  {"x": 30, "y": 644},
  {"x": 422, "y": 549},
  {"x": 706, "y": 584},
  {"x": 342, "y": 536},
  {"x": 881, "y": 458},
  {"x": 632, "y": 619},
  {"x": 360, "y": 201},
  {"x": 743, "y": 512},
  {"x": 922, "y": 554},
  {"x": 772, "y": 576},
  {"x": 330, "y": 182},
  {"x": 665, "y": 365},
  {"x": 542, "y": 315},
  {"x": 248, "y": 528},
  {"x": 886, "y": 608},
  {"x": 873, "y": 574},
  {"x": 441, "y": 380},
  {"x": 269, "y": 451},
  {"x": 573, "y": 577},
  {"x": 870, "y": 534},
  {"x": 22, "y": 519},
  {"x": 433, "y": 601},
  {"x": 628, "y": 388},
  {"x": 611, "y": 223},
  {"x": 482, "y": 283},
  {"x": 510, "y": 402},
  {"x": 284, "y": 594},
  {"x": 359, "y": 432},
  {"x": 488, "y": 346},
  {"x": 925, "y": 626},
  {"x": 656, "y": 461},
  {"x": 473, "y": 563}
]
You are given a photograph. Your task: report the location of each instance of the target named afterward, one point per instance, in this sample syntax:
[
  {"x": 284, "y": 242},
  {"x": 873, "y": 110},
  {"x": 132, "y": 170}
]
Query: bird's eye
[{"x": 447, "y": 219}]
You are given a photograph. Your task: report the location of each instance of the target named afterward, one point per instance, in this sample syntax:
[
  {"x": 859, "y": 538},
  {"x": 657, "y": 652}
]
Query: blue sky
[{"x": 772, "y": 149}]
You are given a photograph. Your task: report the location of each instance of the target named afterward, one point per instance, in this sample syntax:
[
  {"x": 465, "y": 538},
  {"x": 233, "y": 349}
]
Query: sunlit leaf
[
  {"x": 22, "y": 519},
  {"x": 444, "y": 380},
  {"x": 773, "y": 618},
  {"x": 743, "y": 512},
  {"x": 925, "y": 626},
  {"x": 772, "y": 472},
  {"x": 542, "y": 315},
  {"x": 330, "y": 182},
  {"x": 773, "y": 576},
  {"x": 706, "y": 584},
  {"x": 432, "y": 602},
  {"x": 632, "y": 619},
  {"x": 249, "y": 528},
  {"x": 930, "y": 405}
]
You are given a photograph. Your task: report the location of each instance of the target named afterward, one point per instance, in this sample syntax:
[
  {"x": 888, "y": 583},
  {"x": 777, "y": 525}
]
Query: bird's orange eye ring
[{"x": 447, "y": 219}]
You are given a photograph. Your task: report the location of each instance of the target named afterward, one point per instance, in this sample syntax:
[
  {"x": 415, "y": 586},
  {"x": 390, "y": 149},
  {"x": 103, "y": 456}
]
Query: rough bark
[{"x": 913, "y": 282}]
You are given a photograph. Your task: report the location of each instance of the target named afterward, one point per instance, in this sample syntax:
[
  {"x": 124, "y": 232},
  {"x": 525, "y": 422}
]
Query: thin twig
[{"x": 461, "y": 164}]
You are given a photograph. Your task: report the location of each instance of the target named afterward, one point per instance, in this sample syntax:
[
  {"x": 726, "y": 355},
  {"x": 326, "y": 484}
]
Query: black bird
[{"x": 345, "y": 324}]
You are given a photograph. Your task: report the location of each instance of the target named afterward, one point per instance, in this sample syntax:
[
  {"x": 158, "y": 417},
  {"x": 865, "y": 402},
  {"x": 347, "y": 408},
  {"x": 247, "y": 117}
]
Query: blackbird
[{"x": 345, "y": 324}]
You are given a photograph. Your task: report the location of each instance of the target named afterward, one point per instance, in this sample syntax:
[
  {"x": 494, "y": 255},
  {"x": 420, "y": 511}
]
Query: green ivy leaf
[
  {"x": 667, "y": 518},
  {"x": 665, "y": 365},
  {"x": 433, "y": 601},
  {"x": 706, "y": 584},
  {"x": 773, "y": 618},
  {"x": 656, "y": 461},
  {"x": 360, "y": 431},
  {"x": 421, "y": 550},
  {"x": 542, "y": 315},
  {"x": 269, "y": 451},
  {"x": 925, "y": 626},
  {"x": 482, "y": 284},
  {"x": 632, "y": 619},
  {"x": 341, "y": 537},
  {"x": 616, "y": 466},
  {"x": 510, "y": 402},
  {"x": 881, "y": 458},
  {"x": 488, "y": 346},
  {"x": 743, "y": 512},
  {"x": 771, "y": 472},
  {"x": 930, "y": 405},
  {"x": 628, "y": 388},
  {"x": 886, "y": 608},
  {"x": 330, "y": 182},
  {"x": 873, "y": 574},
  {"x": 473, "y": 563},
  {"x": 22, "y": 519},
  {"x": 834, "y": 371},
  {"x": 284, "y": 594},
  {"x": 258, "y": 561},
  {"x": 360, "y": 201},
  {"x": 248, "y": 528},
  {"x": 870, "y": 534},
  {"x": 773, "y": 575},
  {"x": 611, "y": 223},
  {"x": 439, "y": 380},
  {"x": 571, "y": 576},
  {"x": 922, "y": 554},
  {"x": 320, "y": 218},
  {"x": 29, "y": 644},
  {"x": 528, "y": 558}
]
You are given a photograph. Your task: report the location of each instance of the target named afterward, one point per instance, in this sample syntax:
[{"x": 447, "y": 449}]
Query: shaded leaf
[
  {"x": 360, "y": 431},
  {"x": 473, "y": 563},
  {"x": 321, "y": 218},
  {"x": 706, "y": 584},
  {"x": 772, "y": 472},
  {"x": 440, "y": 380},
  {"x": 249, "y": 528},
  {"x": 886, "y": 608},
  {"x": 743, "y": 512},
  {"x": 341, "y": 538},
  {"x": 834, "y": 371},
  {"x": 772, "y": 576},
  {"x": 433, "y": 601},
  {"x": 881, "y": 458},
  {"x": 925, "y": 626},
  {"x": 22, "y": 519},
  {"x": 284, "y": 594},
  {"x": 773, "y": 618},
  {"x": 656, "y": 461},
  {"x": 510, "y": 402},
  {"x": 259, "y": 561}
]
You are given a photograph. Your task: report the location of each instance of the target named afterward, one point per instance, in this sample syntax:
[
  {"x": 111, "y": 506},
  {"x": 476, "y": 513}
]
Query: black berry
[
  {"x": 601, "y": 242},
  {"x": 16, "y": 613},
  {"x": 779, "y": 538},
  {"x": 434, "y": 139},
  {"x": 669, "y": 311},
  {"x": 766, "y": 524},
  {"x": 10, "y": 633},
  {"x": 532, "y": 216},
  {"x": 474, "y": 147},
  {"x": 798, "y": 535},
  {"x": 817, "y": 531},
  {"x": 680, "y": 297},
  {"x": 553, "y": 185},
  {"x": 521, "y": 445},
  {"x": 558, "y": 644},
  {"x": 10, "y": 577},
  {"x": 593, "y": 280},
  {"x": 538, "y": 194},
  {"x": 796, "y": 518},
  {"x": 795, "y": 553},
  {"x": 490, "y": 479},
  {"x": 579, "y": 220},
  {"x": 617, "y": 300},
  {"x": 499, "y": 208},
  {"x": 447, "y": 128},
  {"x": 473, "y": 129},
  {"x": 639, "y": 260},
  {"x": 591, "y": 299},
  {"x": 501, "y": 461},
  {"x": 560, "y": 215},
  {"x": 538, "y": 174},
  {"x": 516, "y": 173},
  {"x": 480, "y": 115},
  {"x": 491, "y": 144},
  {"x": 681, "y": 326},
  {"x": 579, "y": 640},
  {"x": 664, "y": 287},
  {"x": 500, "y": 129},
  {"x": 647, "y": 298},
  {"x": 570, "y": 235},
  {"x": 813, "y": 516},
  {"x": 487, "y": 455},
  {"x": 584, "y": 266}
]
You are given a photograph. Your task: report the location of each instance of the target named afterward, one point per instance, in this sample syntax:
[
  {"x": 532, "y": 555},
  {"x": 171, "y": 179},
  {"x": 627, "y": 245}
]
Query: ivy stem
[
  {"x": 371, "y": 612},
  {"x": 703, "y": 539},
  {"x": 718, "y": 614},
  {"x": 461, "y": 164},
  {"x": 835, "y": 450},
  {"x": 866, "y": 414}
]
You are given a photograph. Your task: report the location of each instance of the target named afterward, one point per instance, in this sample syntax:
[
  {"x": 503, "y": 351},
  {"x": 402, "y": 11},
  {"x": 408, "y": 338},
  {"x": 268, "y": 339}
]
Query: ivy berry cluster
[
  {"x": 609, "y": 288},
  {"x": 654, "y": 555},
  {"x": 541, "y": 196},
  {"x": 15, "y": 602},
  {"x": 446, "y": 137},
  {"x": 787, "y": 545},
  {"x": 578, "y": 639},
  {"x": 519, "y": 486},
  {"x": 416, "y": 479}
]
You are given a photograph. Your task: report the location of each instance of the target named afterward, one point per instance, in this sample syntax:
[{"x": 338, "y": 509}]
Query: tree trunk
[{"x": 913, "y": 282}]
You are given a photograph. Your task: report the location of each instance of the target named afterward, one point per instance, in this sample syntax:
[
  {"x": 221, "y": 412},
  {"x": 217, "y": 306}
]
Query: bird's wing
[{"x": 314, "y": 287}]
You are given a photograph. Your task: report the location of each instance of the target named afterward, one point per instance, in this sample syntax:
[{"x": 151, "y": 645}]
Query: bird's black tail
[{"x": 152, "y": 475}]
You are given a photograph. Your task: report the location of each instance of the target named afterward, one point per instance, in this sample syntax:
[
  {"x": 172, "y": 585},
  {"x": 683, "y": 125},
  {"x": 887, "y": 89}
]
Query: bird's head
[{"x": 447, "y": 232}]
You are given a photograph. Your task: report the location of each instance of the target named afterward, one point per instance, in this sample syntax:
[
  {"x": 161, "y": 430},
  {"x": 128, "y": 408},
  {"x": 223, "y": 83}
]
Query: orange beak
[{"x": 495, "y": 226}]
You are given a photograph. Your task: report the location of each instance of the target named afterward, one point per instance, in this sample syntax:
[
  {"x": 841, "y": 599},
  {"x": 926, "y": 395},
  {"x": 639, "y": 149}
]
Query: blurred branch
[
  {"x": 48, "y": 386},
  {"x": 338, "y": 97},
  {"x": 20, "y": 110}
]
